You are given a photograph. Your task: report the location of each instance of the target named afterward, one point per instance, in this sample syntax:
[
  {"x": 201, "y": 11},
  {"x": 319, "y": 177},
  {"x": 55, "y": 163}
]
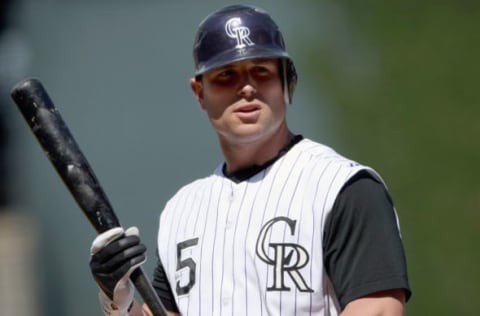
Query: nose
[{"x": 248, "y": 90}]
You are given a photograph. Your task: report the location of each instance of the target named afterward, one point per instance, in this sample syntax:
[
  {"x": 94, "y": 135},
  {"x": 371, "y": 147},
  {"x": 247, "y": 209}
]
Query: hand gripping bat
[{"x": 64, "y": 153}]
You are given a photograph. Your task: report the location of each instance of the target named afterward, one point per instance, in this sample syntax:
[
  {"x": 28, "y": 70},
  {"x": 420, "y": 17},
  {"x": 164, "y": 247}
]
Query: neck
[{"x": 242, "y": 155}]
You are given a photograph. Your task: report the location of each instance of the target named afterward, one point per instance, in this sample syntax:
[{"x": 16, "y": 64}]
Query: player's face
[{"x": 244, "y": 100}]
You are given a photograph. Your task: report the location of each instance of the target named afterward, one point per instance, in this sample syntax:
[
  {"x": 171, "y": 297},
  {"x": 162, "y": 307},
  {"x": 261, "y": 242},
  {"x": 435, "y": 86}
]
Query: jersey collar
[{"x": 248, "y": 172}]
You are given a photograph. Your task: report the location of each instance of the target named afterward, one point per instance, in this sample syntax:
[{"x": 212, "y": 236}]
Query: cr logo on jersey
[
  {"x": 236, "y": 30},
  {"x": 286, "y": 258}
]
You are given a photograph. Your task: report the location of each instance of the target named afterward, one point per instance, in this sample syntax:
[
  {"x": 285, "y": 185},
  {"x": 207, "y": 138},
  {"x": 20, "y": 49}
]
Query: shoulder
[
  {"x": 331, "y": 166},
  {"x": 320, "y": 153},
  {"x": 365, "y": 194}
]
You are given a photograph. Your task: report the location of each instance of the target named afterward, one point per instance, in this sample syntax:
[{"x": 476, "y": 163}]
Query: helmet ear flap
[{"x": 290, "y": 80}]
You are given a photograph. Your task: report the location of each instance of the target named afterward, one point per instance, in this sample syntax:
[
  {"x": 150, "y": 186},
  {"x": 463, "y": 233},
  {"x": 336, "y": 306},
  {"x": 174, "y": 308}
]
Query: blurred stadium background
[{"x": 391, "y": 84}]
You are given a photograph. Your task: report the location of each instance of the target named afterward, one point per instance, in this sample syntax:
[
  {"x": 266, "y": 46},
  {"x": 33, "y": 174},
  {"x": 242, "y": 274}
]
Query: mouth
[
  {"x": 248, "y": 112},
  {"x": 248, "y": 108}
]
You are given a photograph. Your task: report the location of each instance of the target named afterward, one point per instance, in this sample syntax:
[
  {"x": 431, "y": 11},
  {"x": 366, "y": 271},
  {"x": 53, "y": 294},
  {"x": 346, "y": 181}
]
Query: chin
[{"x": 249, "y": 135}]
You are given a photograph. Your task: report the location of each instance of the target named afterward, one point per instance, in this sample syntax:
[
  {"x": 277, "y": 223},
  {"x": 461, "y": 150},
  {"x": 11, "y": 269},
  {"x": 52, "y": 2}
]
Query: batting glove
[{"x": 114, "y": 255}]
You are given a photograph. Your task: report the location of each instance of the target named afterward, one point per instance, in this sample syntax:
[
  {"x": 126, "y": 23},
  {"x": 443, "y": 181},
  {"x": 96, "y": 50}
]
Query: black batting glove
[{"x": 114, "y": 255}]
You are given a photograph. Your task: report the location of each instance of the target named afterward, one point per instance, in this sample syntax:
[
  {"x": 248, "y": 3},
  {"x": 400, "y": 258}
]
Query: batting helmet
[{"x": 240, "y": 32}]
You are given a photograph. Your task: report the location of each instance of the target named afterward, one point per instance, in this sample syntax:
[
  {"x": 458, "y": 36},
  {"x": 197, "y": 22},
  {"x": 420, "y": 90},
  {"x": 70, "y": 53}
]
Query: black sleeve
[
  {"x": 162, "y": 287},
  {"x": 363, "y": 250}
]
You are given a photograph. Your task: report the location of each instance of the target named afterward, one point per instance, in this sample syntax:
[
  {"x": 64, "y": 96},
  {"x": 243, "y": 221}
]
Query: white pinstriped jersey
[{"x": 255, "y": 247}]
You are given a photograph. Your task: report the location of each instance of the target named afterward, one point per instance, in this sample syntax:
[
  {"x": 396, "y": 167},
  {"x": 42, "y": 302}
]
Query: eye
[
  {"x": 263, "y": 71},
  {"x": 224, "y": 76},
  {"x": 226, "y": 73}
]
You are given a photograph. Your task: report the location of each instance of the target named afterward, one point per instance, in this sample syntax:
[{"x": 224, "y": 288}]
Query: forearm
[
  {"x": 146, "y": 312},
  {"x": 388, "y": 303},
  {"x": 137, "y": 310}
]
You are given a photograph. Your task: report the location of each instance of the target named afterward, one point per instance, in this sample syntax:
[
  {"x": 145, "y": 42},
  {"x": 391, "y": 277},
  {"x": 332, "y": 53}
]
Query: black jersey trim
[
  {"x": 363, "y": 251},
  {"x": 163, "y": 289}
]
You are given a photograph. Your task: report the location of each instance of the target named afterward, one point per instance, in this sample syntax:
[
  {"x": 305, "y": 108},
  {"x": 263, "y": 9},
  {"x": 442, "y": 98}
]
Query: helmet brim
[{"x": 239, "y": 54}]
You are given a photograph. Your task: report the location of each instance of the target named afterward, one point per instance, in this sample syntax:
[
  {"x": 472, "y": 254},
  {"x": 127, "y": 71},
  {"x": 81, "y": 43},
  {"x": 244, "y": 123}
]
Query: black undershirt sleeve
[
  {"x": 363, "y": 250},
  {"x": 162, "y": 287}
]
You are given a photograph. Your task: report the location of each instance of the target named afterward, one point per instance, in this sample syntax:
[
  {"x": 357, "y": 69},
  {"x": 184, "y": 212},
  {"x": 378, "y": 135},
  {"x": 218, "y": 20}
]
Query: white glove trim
[{"x": 105, "y": 238}]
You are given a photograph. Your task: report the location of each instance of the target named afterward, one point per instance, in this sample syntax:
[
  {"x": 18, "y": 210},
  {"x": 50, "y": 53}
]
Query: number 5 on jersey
[{"x": 186, "y": 264}]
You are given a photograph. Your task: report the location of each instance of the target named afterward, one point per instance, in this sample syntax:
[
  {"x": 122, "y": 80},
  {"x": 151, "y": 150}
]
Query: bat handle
[{"x": 146, "y": 291}]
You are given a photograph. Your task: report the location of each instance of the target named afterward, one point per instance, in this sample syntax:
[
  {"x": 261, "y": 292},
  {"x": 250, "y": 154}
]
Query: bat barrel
[{"x": 59, "y": 145}]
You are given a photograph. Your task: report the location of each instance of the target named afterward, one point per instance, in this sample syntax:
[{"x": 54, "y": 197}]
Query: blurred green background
[{"x": 391, "y": 84}]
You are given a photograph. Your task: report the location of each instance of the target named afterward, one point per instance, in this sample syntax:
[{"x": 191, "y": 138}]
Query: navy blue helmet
[{"x": 240, "y": 32}]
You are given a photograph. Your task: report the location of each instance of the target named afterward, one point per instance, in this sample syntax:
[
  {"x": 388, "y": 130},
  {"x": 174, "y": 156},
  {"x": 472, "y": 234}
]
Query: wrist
[{"x": 111, "y": 308}]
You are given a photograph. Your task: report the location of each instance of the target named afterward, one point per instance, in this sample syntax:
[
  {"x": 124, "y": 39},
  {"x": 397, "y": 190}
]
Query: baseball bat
[{"x": 70, "y": 163}]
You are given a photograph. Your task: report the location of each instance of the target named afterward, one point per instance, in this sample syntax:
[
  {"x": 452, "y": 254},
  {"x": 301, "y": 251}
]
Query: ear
[{"x": 197, "y": 89}]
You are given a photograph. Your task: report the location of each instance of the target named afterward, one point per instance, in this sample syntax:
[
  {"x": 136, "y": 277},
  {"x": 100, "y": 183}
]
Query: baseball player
[{"x": 285, "y": 225}]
